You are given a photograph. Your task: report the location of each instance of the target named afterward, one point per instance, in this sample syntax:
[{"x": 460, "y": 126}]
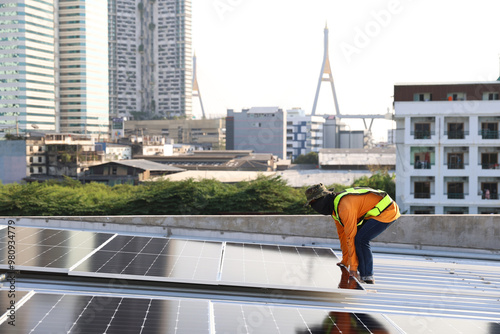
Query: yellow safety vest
[{"x": 383, "y": 204}]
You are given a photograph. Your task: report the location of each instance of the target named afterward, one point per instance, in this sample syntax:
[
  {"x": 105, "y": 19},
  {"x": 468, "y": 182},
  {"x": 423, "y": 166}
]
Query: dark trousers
[{"x": 367, "y": 232}]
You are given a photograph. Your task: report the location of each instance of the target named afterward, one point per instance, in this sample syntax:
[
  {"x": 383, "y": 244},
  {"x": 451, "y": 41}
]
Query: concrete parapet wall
[{"x": 480, "y": 232}]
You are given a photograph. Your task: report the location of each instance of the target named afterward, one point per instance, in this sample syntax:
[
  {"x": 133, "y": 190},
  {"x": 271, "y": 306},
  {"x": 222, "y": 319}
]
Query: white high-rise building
[
  {"x": 83, "y": 67},
  {"x": 150, "y": 58},
  {"x": 53, "y": 67},
  {"x": 448, "y": 147},
  {"x": 27, "y": 66}
]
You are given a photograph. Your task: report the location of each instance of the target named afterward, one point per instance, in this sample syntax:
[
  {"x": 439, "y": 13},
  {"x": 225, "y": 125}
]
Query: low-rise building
[
  {"x": 114, "y": 151},
  {"x": 208, "y": 133},
  {"x": 127, "y": 172}
]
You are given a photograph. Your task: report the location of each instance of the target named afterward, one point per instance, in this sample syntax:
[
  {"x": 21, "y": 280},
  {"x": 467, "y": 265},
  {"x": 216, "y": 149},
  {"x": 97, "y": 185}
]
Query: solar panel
[
  {"x": 147, "y": 258},
  {"x": 49, "y": 249},
  {"x": 289, "y": 267},
  {"x": 66, "y": 313}
]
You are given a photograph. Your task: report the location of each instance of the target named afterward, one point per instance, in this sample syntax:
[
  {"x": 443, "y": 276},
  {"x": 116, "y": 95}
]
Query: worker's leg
[{"x": 368, "y": 231}]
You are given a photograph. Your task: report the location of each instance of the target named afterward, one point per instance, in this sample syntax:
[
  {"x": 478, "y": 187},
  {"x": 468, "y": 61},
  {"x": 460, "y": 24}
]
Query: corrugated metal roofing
[
  {"x": 432, "y": 286},
  {"x": 145, "y": 165}
]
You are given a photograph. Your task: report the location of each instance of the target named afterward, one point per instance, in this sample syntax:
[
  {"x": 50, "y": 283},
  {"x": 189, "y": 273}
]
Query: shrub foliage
[{"x": 265, "y": 195}]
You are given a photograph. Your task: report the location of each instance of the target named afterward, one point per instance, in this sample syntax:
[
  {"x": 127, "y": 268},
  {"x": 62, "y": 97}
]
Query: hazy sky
[{"x": 269, "y": 52}]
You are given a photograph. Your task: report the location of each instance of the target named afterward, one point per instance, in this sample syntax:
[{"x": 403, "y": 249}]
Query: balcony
[
  {"x": 422, "y": 194},
  {"x": 489, "y": 166},
  {"x": 456, "y": 195},
  {"x": 455, "y": 165},
  {"x": 422, "y": 165},
  {"x": 489, "y": 196},
  {"x": 488, "y": 134},
  {"x": 422, "y": 134},
  {"x": 458, "y": 134}
]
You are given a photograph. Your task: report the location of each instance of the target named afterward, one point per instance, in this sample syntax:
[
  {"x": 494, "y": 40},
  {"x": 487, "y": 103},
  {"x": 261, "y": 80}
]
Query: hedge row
[{"x": 265, "y": 195}]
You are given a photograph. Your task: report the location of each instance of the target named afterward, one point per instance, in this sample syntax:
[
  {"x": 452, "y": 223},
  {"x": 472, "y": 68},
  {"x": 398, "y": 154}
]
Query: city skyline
[{"x": 269, "y": 54}]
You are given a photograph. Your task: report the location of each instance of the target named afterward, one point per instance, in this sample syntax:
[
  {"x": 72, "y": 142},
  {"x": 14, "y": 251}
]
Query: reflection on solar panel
[
  {"x": 241, "y": 318},
  {"x": 155, "y": 259},
  {"x": 49, "y": 249},
  {"x": 303, "y": 268},
  {"x": 87, "y": 313}
]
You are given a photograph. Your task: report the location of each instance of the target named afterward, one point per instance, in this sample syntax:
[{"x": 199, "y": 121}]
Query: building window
[
  {"x": 422, "y": 190},
  {"x": 422, "y": 97},
  {"x": 456, "y": 97},
  {"x": 450, "y": 210},
  {"x": 489, "y": 130},
  {"x": 455, "y": 161},
  {"x": 40, "y": 170},
  {"x": 456, "y": 190},
  {"x": 422, "y": 160},
  {"x": 40, "y": 159},
  {"x": 490, "y": 96},
  {"x": 422, "y": 210},
  {"x": 113, "y": 170},
  {"x": 456, "y": 131},
  {"x": 489, "y": 190},
  {"x": 422, "y": 130},
  {"x": 489, "y": 160}
]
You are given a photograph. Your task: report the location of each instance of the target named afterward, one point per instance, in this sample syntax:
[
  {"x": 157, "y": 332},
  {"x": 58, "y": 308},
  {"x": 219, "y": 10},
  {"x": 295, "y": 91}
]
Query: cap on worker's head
[{"x": 315, "y": 192}]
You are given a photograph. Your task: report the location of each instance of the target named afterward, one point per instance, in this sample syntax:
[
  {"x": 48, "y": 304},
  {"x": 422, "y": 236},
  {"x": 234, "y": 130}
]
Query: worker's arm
[
  {"x": 343, "y": 245},
  {"x": 348, "y": 215}
]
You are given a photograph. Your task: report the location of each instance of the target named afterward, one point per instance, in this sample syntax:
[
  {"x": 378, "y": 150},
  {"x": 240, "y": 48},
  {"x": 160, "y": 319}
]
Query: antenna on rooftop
[{"x": 326, "y": 70}]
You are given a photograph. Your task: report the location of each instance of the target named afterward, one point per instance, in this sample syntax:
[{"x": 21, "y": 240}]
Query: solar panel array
[{"x": 84, "y": 254}]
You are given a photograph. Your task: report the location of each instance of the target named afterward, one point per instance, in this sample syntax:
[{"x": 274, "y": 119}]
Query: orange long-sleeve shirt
[{"x": 351, "y": 208}]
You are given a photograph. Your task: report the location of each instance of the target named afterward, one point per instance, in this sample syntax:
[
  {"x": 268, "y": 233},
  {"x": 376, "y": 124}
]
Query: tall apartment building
[
  {"x": 447, "y": 146},
  {"x": 150, "y": 58},
  {"x": 261, "y": 129},
  {"x": 83, "y": 67},
  {"x": 27, "y": 66},
  {"x": 304, "y": 133},
  {"x": 53, "y": 67}
]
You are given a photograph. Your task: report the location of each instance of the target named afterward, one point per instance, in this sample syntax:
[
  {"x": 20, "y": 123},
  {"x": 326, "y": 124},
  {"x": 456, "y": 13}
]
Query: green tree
[
  {"x": 309, "y": 158},
  {"x": 379, "y": 180}
]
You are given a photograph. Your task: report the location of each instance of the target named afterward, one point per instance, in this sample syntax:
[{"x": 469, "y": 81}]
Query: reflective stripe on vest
[{"x": 383, "y": 204}]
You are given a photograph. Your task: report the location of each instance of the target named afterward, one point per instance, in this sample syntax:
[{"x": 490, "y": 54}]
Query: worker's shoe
[{"x": 368, "y": 279}]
